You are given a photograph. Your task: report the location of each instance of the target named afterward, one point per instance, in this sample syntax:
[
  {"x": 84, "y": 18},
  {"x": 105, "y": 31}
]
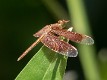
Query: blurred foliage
[
  {"x": 86, "y": 53},
  {"x": 20, "y": 19}
]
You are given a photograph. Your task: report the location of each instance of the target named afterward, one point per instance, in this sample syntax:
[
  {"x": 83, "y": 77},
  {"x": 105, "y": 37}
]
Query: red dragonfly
[{"x": 49, "y": 36}]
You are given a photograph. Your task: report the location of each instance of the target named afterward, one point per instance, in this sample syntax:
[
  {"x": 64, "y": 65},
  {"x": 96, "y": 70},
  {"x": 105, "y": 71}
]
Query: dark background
[{"x": 20, "y": 19}]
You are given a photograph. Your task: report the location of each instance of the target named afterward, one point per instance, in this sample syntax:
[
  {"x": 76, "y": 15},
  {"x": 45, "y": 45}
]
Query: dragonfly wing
[
  {"x": 55, "y": 44},
  {"x": 48, "y": 28},
  {"x": 44, "y": 30},
  {"x": 73, "y": 36}
]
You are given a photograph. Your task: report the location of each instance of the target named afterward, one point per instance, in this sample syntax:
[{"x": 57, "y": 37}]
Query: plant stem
[{"x": 86, "y": 53}]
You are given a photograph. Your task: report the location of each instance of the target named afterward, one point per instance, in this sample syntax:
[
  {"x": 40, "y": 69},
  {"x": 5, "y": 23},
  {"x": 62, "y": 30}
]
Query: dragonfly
[{"x": 50, "y": 37}]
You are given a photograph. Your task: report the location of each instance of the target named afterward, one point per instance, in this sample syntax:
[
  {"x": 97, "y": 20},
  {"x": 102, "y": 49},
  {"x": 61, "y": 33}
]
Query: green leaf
[{"x": 45, "y": 65}]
